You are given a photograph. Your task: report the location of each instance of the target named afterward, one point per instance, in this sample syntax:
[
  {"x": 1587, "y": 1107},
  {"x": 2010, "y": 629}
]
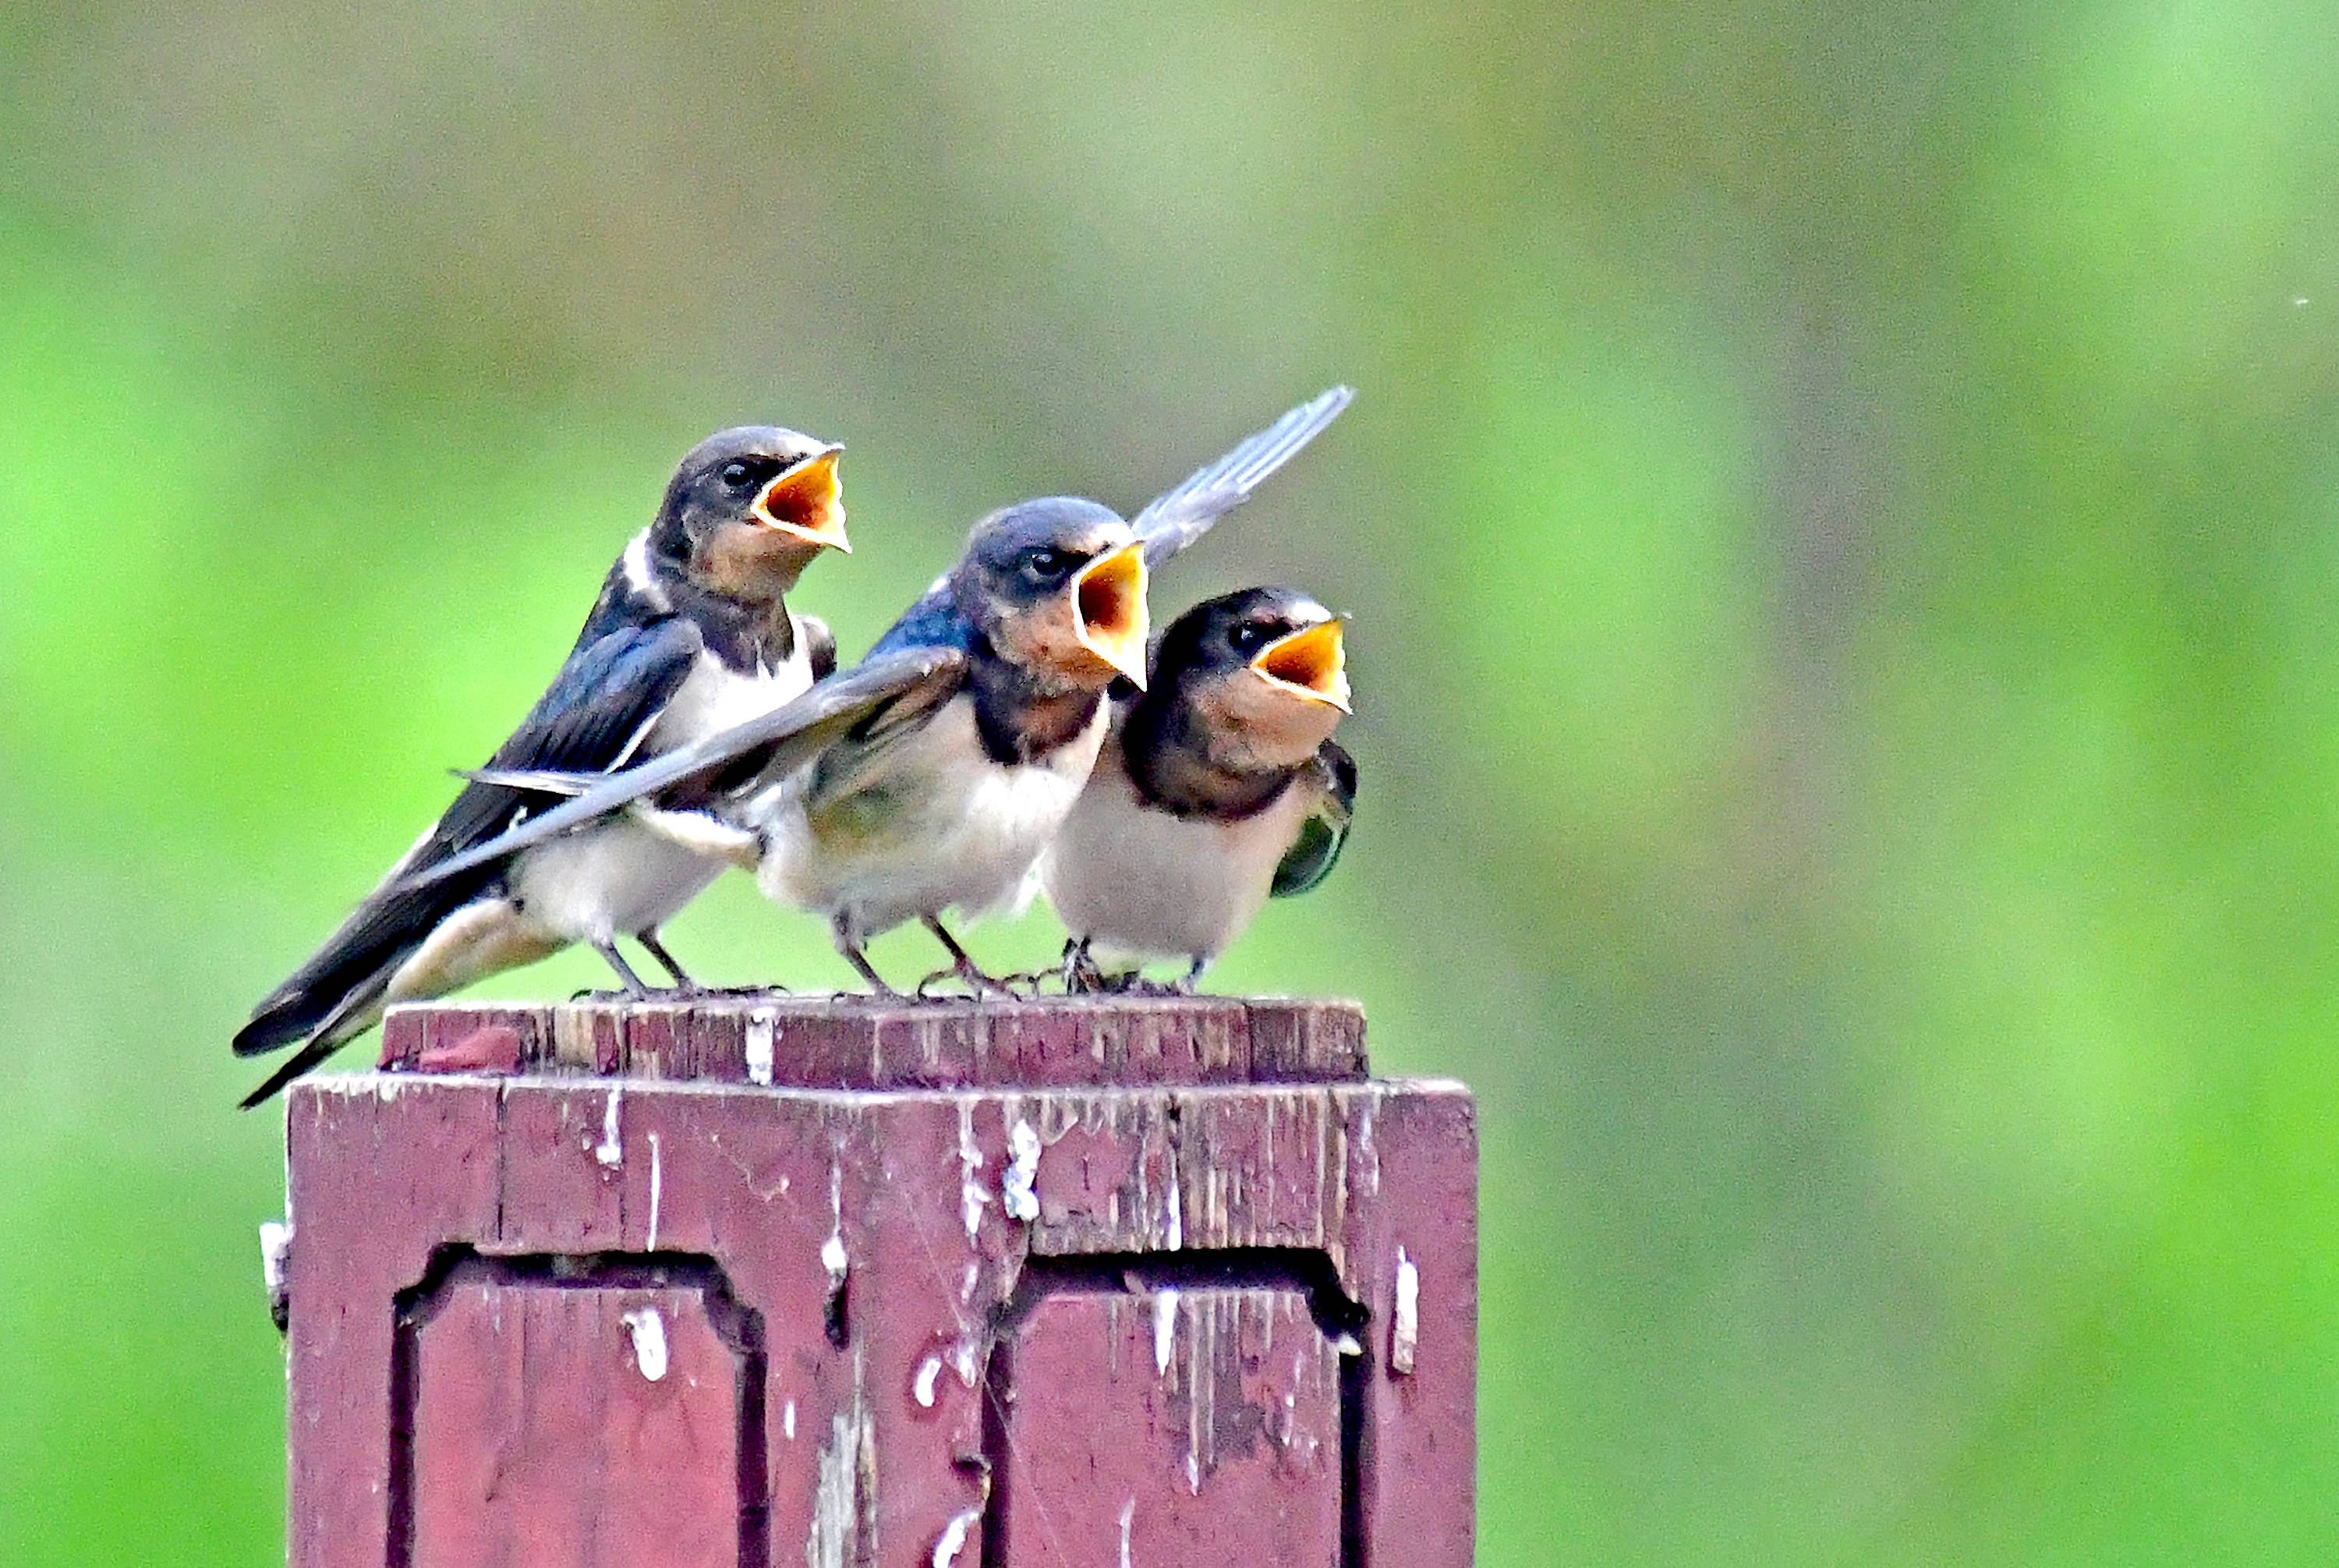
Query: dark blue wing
[
  {"x": 934, "y": 622},
  {"x": 591, "y": 719},
  {"x": 1316, "y": 850},
  {"x": 787, "y": 737}
]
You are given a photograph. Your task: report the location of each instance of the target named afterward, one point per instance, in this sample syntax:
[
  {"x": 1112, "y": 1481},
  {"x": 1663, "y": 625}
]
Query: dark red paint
[{"x": 474, "y": 1256}]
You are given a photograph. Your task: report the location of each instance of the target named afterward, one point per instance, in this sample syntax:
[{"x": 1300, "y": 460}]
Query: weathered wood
[
  {"x": 575, "y": 1425},
  {"x": 851, "y": 1042},
  {"x": 1170, "y": 1426},
  {"x": 872, "y": 1302}
]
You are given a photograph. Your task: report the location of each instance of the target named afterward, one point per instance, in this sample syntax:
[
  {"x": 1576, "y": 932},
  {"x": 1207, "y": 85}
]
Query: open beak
[
  {"x": 808, "y": 502},
  {"x": 1309, "y": 663},
  {"x": 1108, "y": 599}
]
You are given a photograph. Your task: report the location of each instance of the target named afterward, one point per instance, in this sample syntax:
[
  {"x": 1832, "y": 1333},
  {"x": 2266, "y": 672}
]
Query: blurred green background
[{"x": 1842, "y": 522}]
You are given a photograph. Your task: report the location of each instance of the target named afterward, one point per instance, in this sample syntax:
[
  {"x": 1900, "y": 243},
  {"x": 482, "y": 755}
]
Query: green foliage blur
[{"x": 1843, "y": 524}]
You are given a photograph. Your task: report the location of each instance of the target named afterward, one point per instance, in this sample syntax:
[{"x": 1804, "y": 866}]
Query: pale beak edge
[
  {"x": 1311, "y": 663},
  {"x": 1108, "y": 599},
  {"x": 808, "y": 502}
]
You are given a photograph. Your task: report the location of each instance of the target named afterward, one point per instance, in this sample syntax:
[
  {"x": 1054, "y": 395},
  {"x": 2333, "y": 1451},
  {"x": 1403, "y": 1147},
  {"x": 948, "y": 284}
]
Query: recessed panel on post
[
  {"x": 1113, "y": 1282},
  {"x": 1196, "y": 1427},
  {"x": 584, "y": 1419}
]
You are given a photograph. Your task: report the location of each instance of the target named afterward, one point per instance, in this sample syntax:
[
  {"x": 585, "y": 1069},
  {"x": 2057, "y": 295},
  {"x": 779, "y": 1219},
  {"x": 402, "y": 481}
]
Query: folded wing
[
  {"x": 787, "y": 737},
  {"x": 1316, "y": 850}
]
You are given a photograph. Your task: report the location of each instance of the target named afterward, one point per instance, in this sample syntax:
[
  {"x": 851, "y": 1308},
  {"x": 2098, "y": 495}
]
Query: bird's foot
[
  {"x": 1081, "y": 975},
  {"x": 1136, "y": 983},
  {"x": 1030, "y": 984},
  {"x": 978, "y": 983},
  {"x": 962, "y": 964},
  {"x": 848, "y": 945},
  {"x": 634, "y": 988}
]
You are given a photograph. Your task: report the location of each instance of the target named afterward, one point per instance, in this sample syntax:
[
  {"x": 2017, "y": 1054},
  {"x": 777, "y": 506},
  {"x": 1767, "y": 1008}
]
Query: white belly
[
  {"x": 937, "y": 827},
  {"x": 617, "y": 878},
  {"x": 1146, "y": 884}
]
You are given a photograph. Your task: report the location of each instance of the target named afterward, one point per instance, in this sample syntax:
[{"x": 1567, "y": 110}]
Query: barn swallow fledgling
[
  {"x": 944, "y": 798},
  {"x": 1219, "y": 785},
  {"x": 690, "y": 635}
]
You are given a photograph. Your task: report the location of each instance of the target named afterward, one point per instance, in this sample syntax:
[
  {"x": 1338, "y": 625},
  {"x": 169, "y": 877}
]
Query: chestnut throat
[
  {"x": 1022, "y": 718},
  {"x": 1166, "y": 748},
  {"x": 744, "y": 635}
]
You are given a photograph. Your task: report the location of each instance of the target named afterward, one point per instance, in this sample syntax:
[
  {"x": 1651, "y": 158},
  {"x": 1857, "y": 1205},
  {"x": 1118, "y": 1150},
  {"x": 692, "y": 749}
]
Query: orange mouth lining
[
  {"x": 1311, "y": 660},
  {"x": 1109, "y": 605},
  {"x": 1109, "y": 599},
  {"x": 808, "y": 502}
]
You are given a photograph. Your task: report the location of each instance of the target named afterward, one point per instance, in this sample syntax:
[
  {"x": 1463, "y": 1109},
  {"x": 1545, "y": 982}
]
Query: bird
[
  {"x": 1218, "y": 787},
  {"x": 942, "y": 795},
  {"x": 690, "y": 635}
]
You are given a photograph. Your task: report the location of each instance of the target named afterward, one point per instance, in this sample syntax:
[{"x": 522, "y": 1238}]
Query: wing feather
[
  {"x": 595, "y": 711},
  {"x": 794, "y": 732},
  {"x": 1325, "y": 831},
  {"x": 1177, "y": 517}
]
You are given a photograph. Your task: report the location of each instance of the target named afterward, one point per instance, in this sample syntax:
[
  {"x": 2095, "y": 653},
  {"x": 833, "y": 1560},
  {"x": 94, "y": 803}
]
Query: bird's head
[
  {"x": 1263, "y": 670},
  {"x": 1059, "y": 588},
  {"x": 748, "y": 509}
]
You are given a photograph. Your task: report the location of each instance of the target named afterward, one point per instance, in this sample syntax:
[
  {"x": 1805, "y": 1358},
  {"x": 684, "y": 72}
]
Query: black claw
[{"x": 683, "y": 983}]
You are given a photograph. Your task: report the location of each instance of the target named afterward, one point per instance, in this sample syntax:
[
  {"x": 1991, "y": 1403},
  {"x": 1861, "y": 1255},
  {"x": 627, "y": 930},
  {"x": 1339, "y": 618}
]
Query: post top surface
[{"x": 868, "y": 1042}]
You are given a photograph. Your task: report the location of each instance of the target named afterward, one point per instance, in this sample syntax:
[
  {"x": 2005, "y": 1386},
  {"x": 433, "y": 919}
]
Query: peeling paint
[
  {"x": 922, "y": 1388},
  {"x": 849, "y": 1454},
  {"x": 973, "y": 1197},
  {"x": 648, "y": 1331},
  {"x": 1404, "y": 1328},
  {"x": 953, "y": 1537},
  {"x": 275, "y": 1250},
  {"x": 657, "y": 1191},
  {"x": 832, "y": 1251},
  {"x": 611, "y": 1150},
  {"x": 762, "y": 1030},
  {"x": 1176, "y": 1237},
  {"x": 350, "y": 1085},
  {"x": 1015, "y": 1194},
  {"x": 1165, "y": 1331},
  {"x": 1128, "y": 1515},
  {"x": 788, "y": 1421}
]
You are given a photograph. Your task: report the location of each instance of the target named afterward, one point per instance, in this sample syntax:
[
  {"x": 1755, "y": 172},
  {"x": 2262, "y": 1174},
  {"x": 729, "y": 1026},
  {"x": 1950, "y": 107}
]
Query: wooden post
[{"x": 1108, "y": 1282}]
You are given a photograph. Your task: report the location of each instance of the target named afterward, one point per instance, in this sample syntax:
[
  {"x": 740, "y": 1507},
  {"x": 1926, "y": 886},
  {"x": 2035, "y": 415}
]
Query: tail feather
[
  {"x": 354, "y": 965},
  {"x": 359, "y": 1011},
  {"x": 291, "y": 1067}
]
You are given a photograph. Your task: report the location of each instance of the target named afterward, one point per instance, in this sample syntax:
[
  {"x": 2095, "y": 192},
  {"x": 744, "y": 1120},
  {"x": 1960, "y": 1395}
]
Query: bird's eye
[
  {"x": 1249, "y": 637},
  {"x": 1046, "y": 563},
  {"x": 738, "y": 476}
]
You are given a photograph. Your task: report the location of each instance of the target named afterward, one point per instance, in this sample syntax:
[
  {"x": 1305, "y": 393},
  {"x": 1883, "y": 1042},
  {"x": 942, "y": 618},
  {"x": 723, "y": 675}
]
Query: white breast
[
  {"x": 1147, "y": 884},
  {"x": 619, "y": 877},
  {"x": 938, "y": 826},
  {"x": 713, "y": 697}
]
